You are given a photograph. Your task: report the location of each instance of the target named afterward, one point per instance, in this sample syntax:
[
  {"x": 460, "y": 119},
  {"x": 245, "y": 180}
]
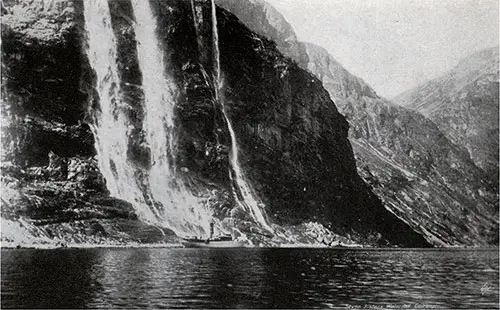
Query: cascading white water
[
  {"x": 195, "y": 18},
  {"x": 240, "y": 185},
  {"x": 181, "y": 210},
  {"x": 110, "y": 124},
  {"x": 171, "y": 204}
]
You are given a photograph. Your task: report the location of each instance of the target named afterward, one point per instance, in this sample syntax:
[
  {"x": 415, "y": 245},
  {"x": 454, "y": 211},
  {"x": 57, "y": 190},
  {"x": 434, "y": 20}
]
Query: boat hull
[{"x": 211, "y": 244}]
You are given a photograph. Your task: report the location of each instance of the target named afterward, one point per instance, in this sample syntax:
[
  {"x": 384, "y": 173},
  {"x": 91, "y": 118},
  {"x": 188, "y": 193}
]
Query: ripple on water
[{"x": 248, "y": 278}]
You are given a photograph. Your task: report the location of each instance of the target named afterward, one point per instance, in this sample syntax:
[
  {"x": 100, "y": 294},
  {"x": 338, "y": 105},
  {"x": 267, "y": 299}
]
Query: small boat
[
  {"x": 217, "y": 242},
  {"x": 224, "y": 241}
]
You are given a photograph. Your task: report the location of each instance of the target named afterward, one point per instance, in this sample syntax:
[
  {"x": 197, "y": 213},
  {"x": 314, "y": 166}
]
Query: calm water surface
[{"x": 248, "y": 278}]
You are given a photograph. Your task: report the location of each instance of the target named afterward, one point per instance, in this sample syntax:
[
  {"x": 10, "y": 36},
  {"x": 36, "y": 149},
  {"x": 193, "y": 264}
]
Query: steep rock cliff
[
  {"x": 293, "y": 142},
  {"x": 417, "y": 171},
  {"x": 419, "y": 174},
  {"x": 263, "y": 18},
  {"x": 52, "y": 191}
]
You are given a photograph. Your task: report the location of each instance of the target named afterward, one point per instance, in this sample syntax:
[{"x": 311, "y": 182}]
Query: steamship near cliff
[
  {"x": 221, "y": 241},
  {"x": 128, "y": 126}
]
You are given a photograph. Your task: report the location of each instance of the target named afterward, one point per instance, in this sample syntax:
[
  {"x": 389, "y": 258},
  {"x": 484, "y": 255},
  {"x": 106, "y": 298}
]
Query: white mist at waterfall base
[
  {"x": 110, "y": 125},
  {"x": 182, "y": 211},
  {"x": 247, "y": 200}
]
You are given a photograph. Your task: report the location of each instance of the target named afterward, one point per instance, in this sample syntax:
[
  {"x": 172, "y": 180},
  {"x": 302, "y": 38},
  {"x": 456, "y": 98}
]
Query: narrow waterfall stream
[
  {"x": 170, "y": 203},
  {"x": 242, "y": 189}
]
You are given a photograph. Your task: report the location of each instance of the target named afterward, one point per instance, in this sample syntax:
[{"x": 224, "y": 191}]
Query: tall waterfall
[
  {"x": 110, "y": 125},
  {"x": 170, "y": 203},
  {"x": 181, "y": 210},
  {"x": 243, "y": 191}
]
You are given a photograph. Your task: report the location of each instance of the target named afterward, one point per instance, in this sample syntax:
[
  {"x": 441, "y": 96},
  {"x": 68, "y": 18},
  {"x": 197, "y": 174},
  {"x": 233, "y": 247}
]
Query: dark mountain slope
[
  {"x": 419, "y": 174},
  {"x": 293, "y": 142},
  {"x": 464, "y": 105}
]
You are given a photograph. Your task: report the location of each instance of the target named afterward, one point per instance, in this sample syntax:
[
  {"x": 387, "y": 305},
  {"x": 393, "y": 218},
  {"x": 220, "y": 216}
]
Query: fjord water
[{"x": 249, "y": 278}]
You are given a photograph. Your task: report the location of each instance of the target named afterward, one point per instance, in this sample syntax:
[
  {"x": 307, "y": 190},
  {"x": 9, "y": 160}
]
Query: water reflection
[
  {"x": 248, "y": 278},
  {"x": 48, "y": 278},
  {"x": 125, "y": 275}
]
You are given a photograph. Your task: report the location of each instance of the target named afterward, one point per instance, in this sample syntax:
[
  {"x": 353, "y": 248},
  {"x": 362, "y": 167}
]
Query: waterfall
[
  {"x": 242, "y": 189},
  {"x": 163, "y": 198},
  {"x": 110, "y": 125},
  {"x": 195, "y": 18},
  {"x": 181, "y": 209}
]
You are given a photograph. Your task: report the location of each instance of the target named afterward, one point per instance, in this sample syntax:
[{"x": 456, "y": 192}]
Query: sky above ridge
[{"x": 395, "y": 45}]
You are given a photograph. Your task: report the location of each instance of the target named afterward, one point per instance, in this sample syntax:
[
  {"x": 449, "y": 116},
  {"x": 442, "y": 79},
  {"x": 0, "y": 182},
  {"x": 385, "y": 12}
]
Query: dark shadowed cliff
[
  {"x": 419, "y": 173},
  {"x": 292, "y": 140}
]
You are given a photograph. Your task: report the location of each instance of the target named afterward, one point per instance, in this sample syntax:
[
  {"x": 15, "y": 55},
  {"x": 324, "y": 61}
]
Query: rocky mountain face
[
  {"x": 337, "y": 80},
  {"x": 418, "y": 172},
  {"x": 464, "y": 105},
  {"x": 293, "y": 141},
  {"x": 52, "y": 190},
  {"x": 420, "y": 175},
  {"x": 263, "y": 18}
]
